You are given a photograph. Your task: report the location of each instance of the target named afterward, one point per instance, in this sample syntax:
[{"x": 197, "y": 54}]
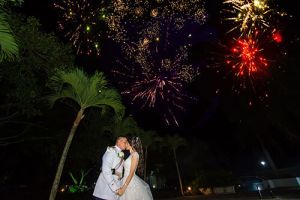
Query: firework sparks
[
  {"x": 247, "y": 61},
  {"x": 250, "y": 15},
  {"x": 157, "y": 81},
  {"x": 276, "y": 35},
  {"x": 138, "y": 15},
  {"x": 148, "y": 33},
  {"x": 80, "y": 23}
]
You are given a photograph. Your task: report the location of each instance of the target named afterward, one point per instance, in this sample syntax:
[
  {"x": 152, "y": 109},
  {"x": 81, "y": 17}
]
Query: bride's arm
[{"x": 134, "y": 164}]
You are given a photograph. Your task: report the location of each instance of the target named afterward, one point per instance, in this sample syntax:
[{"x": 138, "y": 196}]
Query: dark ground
[{"x": 26, "y": 194}]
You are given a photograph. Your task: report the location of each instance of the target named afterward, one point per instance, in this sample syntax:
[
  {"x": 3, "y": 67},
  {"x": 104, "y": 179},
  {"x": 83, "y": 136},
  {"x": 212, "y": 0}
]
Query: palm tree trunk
[
  {"x": 178, "y": 172},
  {"x": 145, "y": 167},
  {"x": 64, "y": 155}
]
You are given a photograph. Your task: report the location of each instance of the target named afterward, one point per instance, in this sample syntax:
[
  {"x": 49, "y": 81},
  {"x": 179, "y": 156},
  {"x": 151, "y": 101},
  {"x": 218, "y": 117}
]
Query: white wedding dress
[{"x": 137, "y": 189}]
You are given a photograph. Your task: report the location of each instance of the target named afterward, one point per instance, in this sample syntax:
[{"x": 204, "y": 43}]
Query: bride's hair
[{"x": 136, "y": 143}]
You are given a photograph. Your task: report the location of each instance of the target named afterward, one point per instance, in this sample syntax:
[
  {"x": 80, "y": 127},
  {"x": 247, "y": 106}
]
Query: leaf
[
  {"x": 8, "y": 46},
  {"x": 86, "y": 91},
  {"x": 73, "y": 178}
]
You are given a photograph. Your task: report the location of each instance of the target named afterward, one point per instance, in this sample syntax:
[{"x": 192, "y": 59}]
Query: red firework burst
[
  {"x": 246, "y": 59},
  {"x": 276, "y": 35}
]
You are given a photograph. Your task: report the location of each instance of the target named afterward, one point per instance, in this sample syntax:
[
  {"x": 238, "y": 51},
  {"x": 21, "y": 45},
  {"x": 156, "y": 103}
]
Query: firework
[
  {"x": 276, "y": 36},
  {"x": 81, "y": 23},
  {"x": 250, "y": 15},
  {"x": 149, "y": 33},
  {"x": 129, "y": 20},
  {"x": 247, "y": 61},
  {"x": 158, "y": 80}
]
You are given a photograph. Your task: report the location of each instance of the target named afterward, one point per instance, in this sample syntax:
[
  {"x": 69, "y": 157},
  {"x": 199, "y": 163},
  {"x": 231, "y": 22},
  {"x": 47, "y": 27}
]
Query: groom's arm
[{"x": 107, "y": 162}]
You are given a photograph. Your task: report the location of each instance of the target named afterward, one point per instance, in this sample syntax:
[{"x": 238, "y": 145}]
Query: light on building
[
  {"x": 263, "y": 163},
  {"x": 258, "y": 188}
]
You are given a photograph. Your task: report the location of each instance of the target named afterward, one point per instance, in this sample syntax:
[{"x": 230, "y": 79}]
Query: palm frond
[
  {"x": 64, "y": 94},
  {"x": 68, "y": 84},
  {"x": 13, "y": 2},
  {"x": 175, "y": 141},
  {"x": 96, "y": 84},
  {"x": 87, "y": 91},
  {"x": 126, "y": 126},
  {"x": 148, "y": 137},
  {"x": 8, "y": 45},
  {"x": 109, "y": 97}
]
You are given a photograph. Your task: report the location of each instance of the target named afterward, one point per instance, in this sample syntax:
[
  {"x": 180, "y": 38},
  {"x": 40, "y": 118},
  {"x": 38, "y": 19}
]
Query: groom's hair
[{"x": 120, "y": 137}]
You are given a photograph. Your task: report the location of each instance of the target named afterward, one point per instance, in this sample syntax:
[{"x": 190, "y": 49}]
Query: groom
[{"x": 109, "y": 182}]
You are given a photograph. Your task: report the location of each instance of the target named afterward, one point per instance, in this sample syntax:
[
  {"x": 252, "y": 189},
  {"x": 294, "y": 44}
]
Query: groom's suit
[{"x": 107, "y": 183}]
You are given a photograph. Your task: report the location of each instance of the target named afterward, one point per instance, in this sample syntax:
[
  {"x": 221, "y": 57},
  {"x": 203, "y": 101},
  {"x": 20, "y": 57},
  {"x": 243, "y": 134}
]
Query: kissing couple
[{"x": 112, "y": 183}]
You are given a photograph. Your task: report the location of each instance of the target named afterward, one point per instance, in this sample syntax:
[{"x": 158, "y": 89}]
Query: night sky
[{"x": 223, "y": 120}]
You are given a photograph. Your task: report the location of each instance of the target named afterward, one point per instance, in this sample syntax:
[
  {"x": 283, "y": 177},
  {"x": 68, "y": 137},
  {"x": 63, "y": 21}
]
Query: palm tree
[
  {"x": 86, "y": 91},
  {"x": 127, "y": 126},
  {"x": 148, "y": 138},
  {"x": 8, "y": 46},
  {"x": 174, "y": 142}
]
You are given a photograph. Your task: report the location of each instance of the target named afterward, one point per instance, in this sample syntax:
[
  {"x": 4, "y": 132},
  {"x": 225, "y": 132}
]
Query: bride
[{"x": 133, "y": 187}]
